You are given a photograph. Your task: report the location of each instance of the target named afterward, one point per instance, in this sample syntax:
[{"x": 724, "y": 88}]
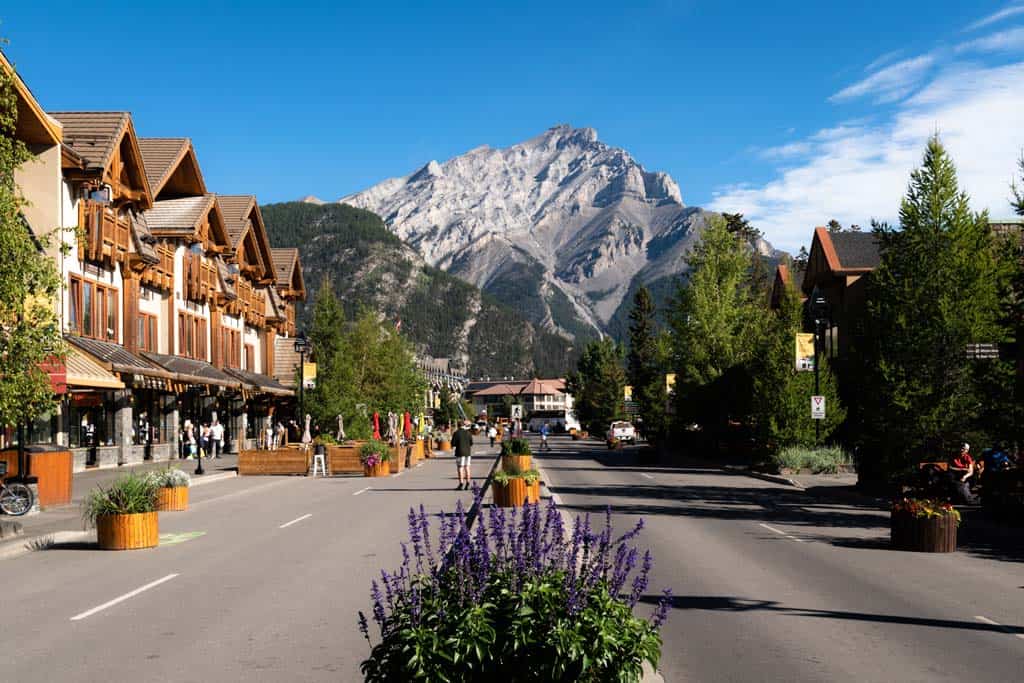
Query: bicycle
[{"x": 16, "y": 499}]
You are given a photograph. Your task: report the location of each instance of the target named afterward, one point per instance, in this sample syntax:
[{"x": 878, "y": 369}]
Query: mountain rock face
[
  {"x": 562, "y": 226},
  {"x": 443, "y": 316}
]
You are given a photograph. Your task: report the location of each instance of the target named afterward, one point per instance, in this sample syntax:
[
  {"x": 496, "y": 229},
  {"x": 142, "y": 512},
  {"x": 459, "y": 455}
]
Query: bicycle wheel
[{"x": 16, "y": 499}]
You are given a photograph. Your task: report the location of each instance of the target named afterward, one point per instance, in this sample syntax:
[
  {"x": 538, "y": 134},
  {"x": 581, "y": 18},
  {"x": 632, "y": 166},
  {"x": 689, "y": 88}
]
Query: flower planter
[
  {"x": 510, "y": 495},
  {"x": 515, "y": 463},
  {"x": 445, "y": 446},
  {"x": 172, "y": 498},
  {"x": 281, "y": 461},
  {"x": 923, "y": 534},
  {"x": 533, "y": 492},
  {"x": 578, "y": 436},
  {"x": 128, "y": 532},
  {"x": 344, "y": 459},
  {"x": 381, "y": 469},
  {"x": 397, "y": 461}
]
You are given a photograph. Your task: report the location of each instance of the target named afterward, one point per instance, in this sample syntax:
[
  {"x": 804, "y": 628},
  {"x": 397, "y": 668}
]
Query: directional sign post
[{"x": 817, "y": 407}]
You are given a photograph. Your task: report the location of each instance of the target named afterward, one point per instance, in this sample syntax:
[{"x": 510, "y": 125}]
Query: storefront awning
[
  {"x": 83, "y": 371},
  {"x": 259, "y": 383},
  {"x": 191, "y": 371},
  {"x": 116, "y": 358}
]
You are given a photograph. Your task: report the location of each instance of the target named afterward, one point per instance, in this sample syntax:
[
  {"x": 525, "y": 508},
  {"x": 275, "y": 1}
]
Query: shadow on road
[{"x": 735, "y": 604}]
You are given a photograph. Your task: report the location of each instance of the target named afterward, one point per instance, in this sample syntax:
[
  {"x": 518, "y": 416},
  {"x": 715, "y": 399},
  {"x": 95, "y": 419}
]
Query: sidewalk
[{"x": 69, "y": 517}]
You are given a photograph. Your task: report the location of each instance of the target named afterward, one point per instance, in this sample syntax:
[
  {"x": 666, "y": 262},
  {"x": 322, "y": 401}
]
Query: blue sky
[{"x": 793, "y": 113}]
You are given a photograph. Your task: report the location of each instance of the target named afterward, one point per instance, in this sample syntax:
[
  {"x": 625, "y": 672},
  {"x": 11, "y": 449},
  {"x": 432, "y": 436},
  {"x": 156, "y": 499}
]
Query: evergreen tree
[
  {"x": 1018, "y": 194},
  {"x": 30, "y": 332},
  {"x": 801, "y": 259},
  {"x": 716, "y": 319},
  {"x": 781, "y": 394},
  {"x": 644, "y": 370},
  {"x": 834, "y": 226},
  {"x": 597, "y": 385},
  {"x": 937, "y": 289}
]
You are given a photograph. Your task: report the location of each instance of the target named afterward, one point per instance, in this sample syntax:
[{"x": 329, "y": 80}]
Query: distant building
[
  {"x": 541, "y": 400},
  {"x": 441, "y": 374}
]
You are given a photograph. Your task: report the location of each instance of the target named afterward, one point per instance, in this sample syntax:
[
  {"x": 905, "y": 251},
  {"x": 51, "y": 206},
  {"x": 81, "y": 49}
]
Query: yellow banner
[{"x": 804, "y": 352}]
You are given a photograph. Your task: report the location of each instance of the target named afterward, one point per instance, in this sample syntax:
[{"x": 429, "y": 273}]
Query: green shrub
[
  {"x": 515, "y": 447},
  {"x": 128, "y": 495},
  {"x": 824, "y": 460},
  {"x": 502, "y": 477},
  {"x": 373, "y": 452}
]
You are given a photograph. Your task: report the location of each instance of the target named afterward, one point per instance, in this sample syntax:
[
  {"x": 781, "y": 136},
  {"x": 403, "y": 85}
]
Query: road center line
[
  {"x": 782, "y": 533},
  {"x": 644, "y": 474},
  {"x": 122, "y": 598},
  {"x": 297, "y": 519},
  {"x": 1000, "y": 626},
  {"x": 362, "y": 491}
]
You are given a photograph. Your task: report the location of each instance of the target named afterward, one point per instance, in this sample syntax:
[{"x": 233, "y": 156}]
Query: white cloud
[
  {"x": 883, "y": 60},
  {"x": 1011, "y": 39},
  {"x": 1005, "y": 13},
  {"x": 857, "y": 172},
  {"x": 890, "y": 84}
]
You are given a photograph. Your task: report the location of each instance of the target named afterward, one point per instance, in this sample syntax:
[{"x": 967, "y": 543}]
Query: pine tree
[
  {"x": 937, "y": 289},
  {"x": 1018, "y": 193},
  {"x": 644, "y": 370},
  {"x": 716, "y": 320},
  {"x": 30, "y": 332},
  {"x": 781, "y": 394},
  {"x": 835, "y": 226},
  {"x": 597, "y": 385}
]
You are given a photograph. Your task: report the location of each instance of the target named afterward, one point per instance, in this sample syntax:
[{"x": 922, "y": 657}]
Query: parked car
[{"x": 622, "y": 431}]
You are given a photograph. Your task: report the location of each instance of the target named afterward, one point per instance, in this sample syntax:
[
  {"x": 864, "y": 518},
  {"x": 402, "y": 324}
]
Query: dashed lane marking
[
  {"x": 1000, "y": 626},
  {"x": 782, "y": 533},
  {"x": 362, "y": 491},
  {"x": 122, "y": 598},
  {"x": 297, "y": 519}
]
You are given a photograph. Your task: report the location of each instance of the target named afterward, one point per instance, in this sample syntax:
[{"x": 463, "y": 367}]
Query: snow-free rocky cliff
[{"x": 559, "y": 226}]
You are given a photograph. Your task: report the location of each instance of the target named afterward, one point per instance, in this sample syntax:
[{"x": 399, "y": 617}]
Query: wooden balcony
[
  {"x": 161, "y": 275},
  {"x": 200, "y": 278},
  {"x": 105, "y": 235},
  {"x": 251, "y": 303}
]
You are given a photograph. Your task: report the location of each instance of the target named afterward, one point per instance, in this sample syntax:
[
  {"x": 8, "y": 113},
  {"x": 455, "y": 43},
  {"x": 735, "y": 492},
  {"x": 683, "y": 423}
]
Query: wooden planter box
[
  {"x": 398, "y": 456},
  {"x": 281, "y": 461},
  {"x": 516, "y": 463},
  {"x": 344, "y": 459},
  {"x": 172, "y": 498},
  {"x": 381, "y": 469},
  {"x": 444, "y": 446},
  {"x": 419, "y": 450},
  {"x": 923, "y": 534},
  {"x": 533, "y": 492},
  {"x": 511, "y": 495},
  {"x": 578, "y": 436},
  {"x": 128, "y": 532}
]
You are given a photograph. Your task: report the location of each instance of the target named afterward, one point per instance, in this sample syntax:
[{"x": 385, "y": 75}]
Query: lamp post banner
[{"x": 805, "y": 352}]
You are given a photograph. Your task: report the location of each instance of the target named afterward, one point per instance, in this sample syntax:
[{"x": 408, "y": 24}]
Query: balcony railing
[
  {"x": 200, "y": 278},
  {"x": 161, "y": 275},
  {"x": 106, "y": 236}
]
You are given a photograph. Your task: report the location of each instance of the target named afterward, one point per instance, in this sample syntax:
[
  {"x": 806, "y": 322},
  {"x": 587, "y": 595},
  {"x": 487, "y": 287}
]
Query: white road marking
[
  {"x": 122, "y": 598},
  {"x": 997, "y": 624},
  {"x": 783, "y": 533},
  {"x": 362, "y": 491},
  {"x": 298, "y": 519},
  {"x": 644, "y": 474}
]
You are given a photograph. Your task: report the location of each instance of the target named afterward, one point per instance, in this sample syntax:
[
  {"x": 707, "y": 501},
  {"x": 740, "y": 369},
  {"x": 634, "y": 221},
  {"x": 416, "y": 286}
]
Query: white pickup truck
[{"x": 622, "y": 431}]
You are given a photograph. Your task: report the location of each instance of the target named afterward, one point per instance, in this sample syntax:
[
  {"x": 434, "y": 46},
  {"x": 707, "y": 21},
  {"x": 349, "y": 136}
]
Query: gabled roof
[
  {"x": 243, "y": 217},
  {"x": 181, "y": 217},
  {"x": 95, "y": 135},
  {"x": 500, "y": 390},
  {"x": 542, "y": 387},
  {"x": 840, "y": 254},
  {"x": 288, "y": 271},
  {"x": 34, "y": 126},
  {"x": 172, "y": 167},
  {"x": 144, "y": 240}
]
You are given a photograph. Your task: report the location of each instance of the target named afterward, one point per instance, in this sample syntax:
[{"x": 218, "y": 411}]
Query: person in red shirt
[{"x": 961, "y": 470}]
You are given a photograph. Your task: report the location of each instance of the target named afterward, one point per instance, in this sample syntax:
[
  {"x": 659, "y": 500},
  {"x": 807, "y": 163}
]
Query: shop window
[{"x": 91, "y": 408}]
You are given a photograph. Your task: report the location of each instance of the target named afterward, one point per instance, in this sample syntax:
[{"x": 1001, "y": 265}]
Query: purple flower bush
[{"x": 514, "y": 599}]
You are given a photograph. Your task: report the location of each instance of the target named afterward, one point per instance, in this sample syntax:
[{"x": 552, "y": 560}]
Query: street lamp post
[
  {"x": 302, "y": 348},
  {"x": 819, "y": 311}
]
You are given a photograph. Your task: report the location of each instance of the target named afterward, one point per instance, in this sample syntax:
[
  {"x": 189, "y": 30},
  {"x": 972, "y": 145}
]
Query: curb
[{"x": 774, "y": 478}]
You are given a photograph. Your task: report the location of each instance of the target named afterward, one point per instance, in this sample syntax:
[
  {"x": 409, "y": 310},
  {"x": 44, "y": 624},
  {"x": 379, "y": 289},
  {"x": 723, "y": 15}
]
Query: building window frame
[{"x": 94, "y": 309}]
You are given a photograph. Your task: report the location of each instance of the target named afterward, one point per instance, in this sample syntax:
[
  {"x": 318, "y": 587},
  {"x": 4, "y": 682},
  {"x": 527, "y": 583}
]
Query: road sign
[
  {"x": 301, "y": 345},
  {"x": 517, "y": 411},
  {"x": 817, "y": 407},
  {"x": 983, "y": 351},
  {"x": 804, "y": 352}
]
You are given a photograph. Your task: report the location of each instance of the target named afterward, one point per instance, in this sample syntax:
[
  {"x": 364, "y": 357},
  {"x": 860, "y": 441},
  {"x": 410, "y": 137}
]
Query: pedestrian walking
[
  {"x": 204, "y": 440},
  {"x": 462, "y": 442},
  {"x": 492, "y": 433},
  {"x": 545, "y": 429},
  {"x": 189, "y": 440},
  {"x": 217, "y": 438}
]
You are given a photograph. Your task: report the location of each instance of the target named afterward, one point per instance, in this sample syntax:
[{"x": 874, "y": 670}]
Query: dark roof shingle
[
  {"x": 857, "y": 249},
  {"x": 93, "y": 135},
  {"x": 159, "y": 155}
]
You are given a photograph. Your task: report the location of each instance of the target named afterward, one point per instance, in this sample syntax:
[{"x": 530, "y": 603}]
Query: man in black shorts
[{"x": 462, "y": 442}]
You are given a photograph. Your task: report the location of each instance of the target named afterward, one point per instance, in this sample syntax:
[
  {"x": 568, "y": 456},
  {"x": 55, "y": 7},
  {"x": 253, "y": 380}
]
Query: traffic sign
[
  {"x": 817, "y": 407},
  {"x": 517, "y": 411}
]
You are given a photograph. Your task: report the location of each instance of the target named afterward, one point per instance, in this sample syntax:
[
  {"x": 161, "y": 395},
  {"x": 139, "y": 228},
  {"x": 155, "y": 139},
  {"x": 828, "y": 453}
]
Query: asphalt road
[
  {"x": 269, "y": 592},
  {"x": 773, "y": 584}
]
